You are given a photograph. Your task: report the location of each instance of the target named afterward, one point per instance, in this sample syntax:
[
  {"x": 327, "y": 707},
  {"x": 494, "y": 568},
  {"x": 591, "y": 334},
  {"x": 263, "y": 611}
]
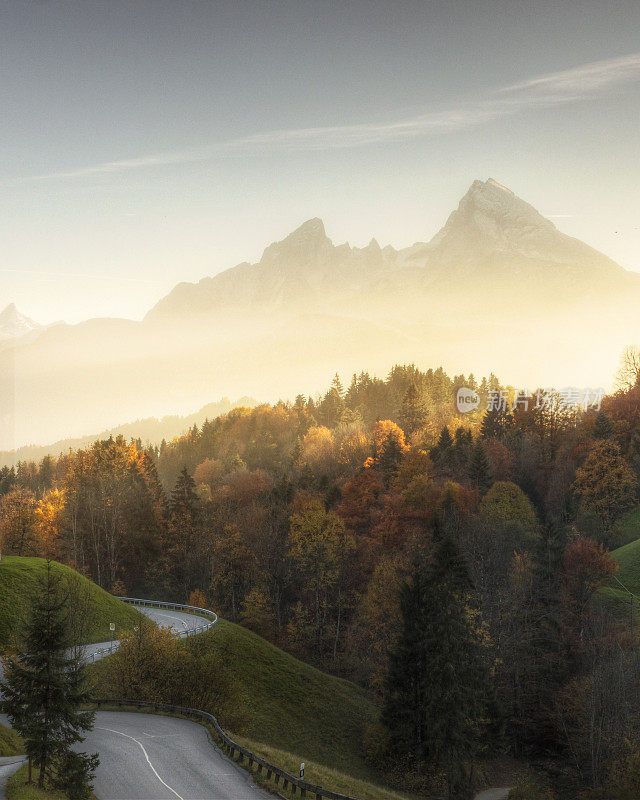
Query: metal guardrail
[
  {"x": 200, "y": 612},
  {"x": 211, "y": 616},
  {"x": 231, "y": 748}
]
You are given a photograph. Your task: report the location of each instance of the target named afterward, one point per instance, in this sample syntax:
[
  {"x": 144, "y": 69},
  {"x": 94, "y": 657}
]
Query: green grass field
[
  {"x": 19, "y": 789},
  {"x": 289, "y": 711},
  {"x": 628, "y": 574},
  {"x": 19, "y": 579},
  {"x": 318, "y": 774},
  {"x": 627, "y": 529},
  {"x": 10, "y": 743},
  {"x": 289, "y": 705}
]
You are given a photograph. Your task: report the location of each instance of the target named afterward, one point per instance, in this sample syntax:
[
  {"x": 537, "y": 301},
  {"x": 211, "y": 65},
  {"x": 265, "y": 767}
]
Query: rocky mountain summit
[
  {"x": 498, "y": 288},
  {"x": 14, "y": 325},
  {"x": 493, "y": 235}
]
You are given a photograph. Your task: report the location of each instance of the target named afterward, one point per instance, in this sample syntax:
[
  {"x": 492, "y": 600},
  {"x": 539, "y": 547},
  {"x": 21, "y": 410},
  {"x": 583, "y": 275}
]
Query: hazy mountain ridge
[
  {"x": 496, "y": 289},
  {"x": 491, "y": 231},
  {"x": 151, "y": 431},
  {"x": 14, "y": 325}
]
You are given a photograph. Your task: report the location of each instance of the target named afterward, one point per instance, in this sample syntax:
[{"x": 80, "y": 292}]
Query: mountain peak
[
  {"x": 312, "y": 227},
  {"x": 492, "y": 182},
  {"x": 9, "y": 313},
  {"x": 14, "y": 324},
  {"x": 488, "y": 204},
  {"x": 305, "y": 244}
]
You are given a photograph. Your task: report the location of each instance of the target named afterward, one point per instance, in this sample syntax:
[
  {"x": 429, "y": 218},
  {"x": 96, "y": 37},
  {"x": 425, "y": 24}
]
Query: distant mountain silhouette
[
  {"x": 150, "y": 431},
  {"x": 14, "y": 325},
  {"x": 499, "y": 288}
]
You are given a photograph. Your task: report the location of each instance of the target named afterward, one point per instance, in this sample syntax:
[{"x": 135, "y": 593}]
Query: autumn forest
[{"x": 376, "y": 532}]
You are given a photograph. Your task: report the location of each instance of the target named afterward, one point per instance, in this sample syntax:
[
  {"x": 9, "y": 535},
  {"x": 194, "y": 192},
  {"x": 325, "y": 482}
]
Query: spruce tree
[
  {"x": 462, "y": 448},
  {"x": 495, "y": 423},
  {"x": 437, "y": 686},
  {"x": 603, "y": 426},
  {"x": 413, "y": 414},
  {"x": 184, "y": 534},
  {"x": 480, "y": 468},
  {"x": 44, "y": 688},
  {"x": 442, "y": 454},
  {"x": 541, "y": 658},
  {"x": 407, "y": 676}
]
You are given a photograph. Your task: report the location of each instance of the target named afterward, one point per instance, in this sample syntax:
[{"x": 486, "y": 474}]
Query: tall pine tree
[
  {"x": 480, "y": 468},
  {"x": 44, "y": 689},
  {"x": 437, "y": 687},
  {"x": 413, "y": 413},
  {"x": 187, "y": 561}
]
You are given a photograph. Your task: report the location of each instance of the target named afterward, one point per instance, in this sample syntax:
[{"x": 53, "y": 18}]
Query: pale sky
[{"x": 147, "y": 142}]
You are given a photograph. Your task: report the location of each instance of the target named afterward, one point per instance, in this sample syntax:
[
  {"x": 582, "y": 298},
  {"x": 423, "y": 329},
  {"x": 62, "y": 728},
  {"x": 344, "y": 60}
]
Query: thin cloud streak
[{"x": 560, "y": 88}]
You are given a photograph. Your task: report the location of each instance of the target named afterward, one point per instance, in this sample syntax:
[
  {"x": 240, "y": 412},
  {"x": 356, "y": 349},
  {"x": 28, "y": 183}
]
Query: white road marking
[{"x": 166, "y": 785}]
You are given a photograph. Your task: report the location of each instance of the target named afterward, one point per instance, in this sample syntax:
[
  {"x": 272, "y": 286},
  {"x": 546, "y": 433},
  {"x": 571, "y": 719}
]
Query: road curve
[
  {"x": 177, "y": 621},
  {"x": 149, "y": 757}
]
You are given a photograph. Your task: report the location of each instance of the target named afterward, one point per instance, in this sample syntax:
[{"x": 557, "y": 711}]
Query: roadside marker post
[
  {"x": 302, "y": 771},
  {"x": 112, "y": 627}
]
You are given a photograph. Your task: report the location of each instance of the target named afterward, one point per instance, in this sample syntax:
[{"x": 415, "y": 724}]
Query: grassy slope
[
  {"x": 293, "y": 706},
  {"x": 19, "y": 580},
  {"x": 19, "y": 789},
  {"x": 627, "y": 528},
  {"x": 628, "y": 558},
  {"x": 292, "y": 712},
  {"x": 10, "y": 742},
  {"x": 316, "y": 773}
]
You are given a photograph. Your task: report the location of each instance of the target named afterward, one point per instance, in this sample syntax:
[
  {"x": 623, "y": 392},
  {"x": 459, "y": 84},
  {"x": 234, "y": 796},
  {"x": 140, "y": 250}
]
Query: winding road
[
  {"x": 149, "y": 757},
  {"x": 177, "y": 621}
]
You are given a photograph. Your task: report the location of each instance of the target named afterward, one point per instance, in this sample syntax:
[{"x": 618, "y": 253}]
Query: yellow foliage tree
[
  {"x": 318, "y": 450},
  {"x": 50, "y": 512}
]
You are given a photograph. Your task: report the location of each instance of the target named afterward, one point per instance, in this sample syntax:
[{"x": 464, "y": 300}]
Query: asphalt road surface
[
  {"x": 175, "y": 620},
  {"x": 7, "y": 767},
  {"x": 148, "y": 757}
]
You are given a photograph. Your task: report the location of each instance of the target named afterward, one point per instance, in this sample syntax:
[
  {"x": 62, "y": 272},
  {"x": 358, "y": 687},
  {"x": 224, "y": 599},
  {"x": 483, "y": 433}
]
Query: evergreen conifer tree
[
  {"x": 184, "y": 532},
  {"x": 603, "y": 426},
  {"x": 413, "y": 414},
  {"x": 442, "y": 454},
  {"x": 437, "y": 686},
  {"x": 495, "y": 423},
  {"x": 480, "y": 467},
  {"x": 44, "y": 688}
]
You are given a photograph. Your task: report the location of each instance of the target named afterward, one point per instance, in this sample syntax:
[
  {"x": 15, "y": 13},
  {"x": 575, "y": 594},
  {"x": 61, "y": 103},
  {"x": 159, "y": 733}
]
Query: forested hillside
[{"x": 378, "y": 533}]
